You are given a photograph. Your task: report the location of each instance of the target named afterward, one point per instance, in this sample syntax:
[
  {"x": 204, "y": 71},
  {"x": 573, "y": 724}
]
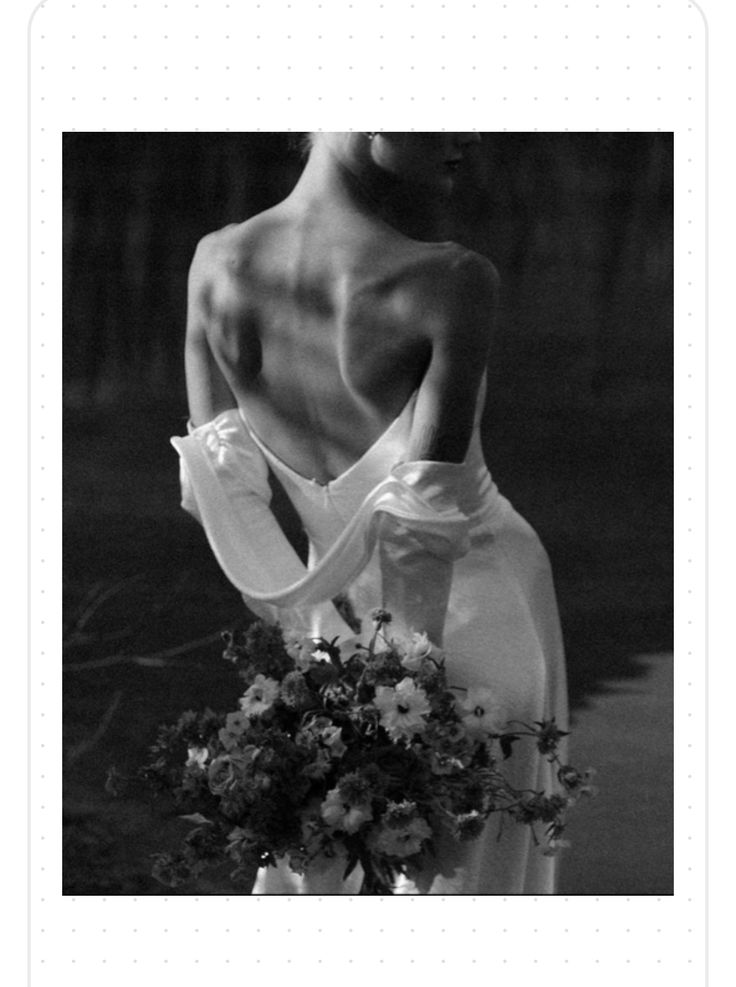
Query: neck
[{"x": 343, "y": 176}]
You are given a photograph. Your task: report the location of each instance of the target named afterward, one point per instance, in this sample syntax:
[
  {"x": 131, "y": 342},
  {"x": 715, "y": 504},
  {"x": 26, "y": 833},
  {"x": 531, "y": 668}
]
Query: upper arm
[
  {"x": 445, "y": 410},
  {"x": 208, "y": 392}
]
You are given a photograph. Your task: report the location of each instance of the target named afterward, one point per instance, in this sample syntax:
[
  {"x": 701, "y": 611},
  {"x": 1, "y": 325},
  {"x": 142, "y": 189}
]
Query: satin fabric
[{"x": 437, "y": 545}]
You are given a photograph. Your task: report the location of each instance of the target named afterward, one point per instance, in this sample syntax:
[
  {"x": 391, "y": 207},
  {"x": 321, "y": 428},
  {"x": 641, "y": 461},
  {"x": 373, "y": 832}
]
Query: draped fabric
[
  {"x": 225, "y": 485},
  {"x": 438, "y": 546}
]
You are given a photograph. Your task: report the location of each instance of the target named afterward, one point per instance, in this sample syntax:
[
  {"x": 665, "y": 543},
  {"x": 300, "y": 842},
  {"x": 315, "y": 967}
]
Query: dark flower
[
  {"x": 295, "y": 691},
  {"x": 258, "y": 650},
  {"x": 548, "y": 736},
  {"x": 319, "y": 767},
  {"x": 575, "y": 783},
  {"x": 540, "y": 808},
  {"x": 468, "y": 825},
  {"x": 220, "y": 774},
  {"x": 569, "y": 777},
  {"x": 355, "y": 788},
  {"x": 171, "y": 869},
  {"x": 380, "y": 616},
  {"x": 321, "y": 670}
]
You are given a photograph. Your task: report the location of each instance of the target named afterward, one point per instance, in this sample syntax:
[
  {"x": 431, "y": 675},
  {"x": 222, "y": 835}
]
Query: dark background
[{"x": 578, "y": 426}]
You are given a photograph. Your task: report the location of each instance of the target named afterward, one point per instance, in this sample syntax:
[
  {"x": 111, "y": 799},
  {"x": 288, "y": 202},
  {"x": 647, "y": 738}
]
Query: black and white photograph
[{"x": 367, "y": 513}]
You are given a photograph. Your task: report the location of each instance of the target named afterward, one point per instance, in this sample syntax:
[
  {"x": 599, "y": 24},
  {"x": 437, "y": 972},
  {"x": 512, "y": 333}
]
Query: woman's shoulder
[
  {"x": 450, "y": 280},
  {"x": 230, "y": 245},
  {"x": 229, "y": 261},
  {"x": 473, "y": 291},
  {"x": 448, "y": 267},
  {"x": 216, "y": 253},
  {"x": 469, "y": 270}
]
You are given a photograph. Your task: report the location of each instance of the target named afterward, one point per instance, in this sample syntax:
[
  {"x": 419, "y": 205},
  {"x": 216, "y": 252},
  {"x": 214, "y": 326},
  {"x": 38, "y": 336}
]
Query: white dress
[{"x": 413, "y": 537}]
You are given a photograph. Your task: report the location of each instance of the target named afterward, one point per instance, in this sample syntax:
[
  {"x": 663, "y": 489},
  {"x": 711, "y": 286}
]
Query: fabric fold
[{"x": 225, "y": 486}]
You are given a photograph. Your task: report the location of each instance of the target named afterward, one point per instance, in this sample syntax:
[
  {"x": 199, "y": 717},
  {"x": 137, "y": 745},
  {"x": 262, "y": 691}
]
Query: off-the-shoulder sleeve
[
  {"x": 224, "y": 485},
  {"x": 413, "y": 511},
  {"x": 224, "y": 481}
]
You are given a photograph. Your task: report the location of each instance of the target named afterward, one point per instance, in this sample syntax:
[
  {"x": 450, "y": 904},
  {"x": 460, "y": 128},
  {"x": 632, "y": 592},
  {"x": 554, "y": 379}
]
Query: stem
[
  {"x": 532, "y": 732},
  {"x": 155, "y": 660},
  {"x": 372, "y": 642}
]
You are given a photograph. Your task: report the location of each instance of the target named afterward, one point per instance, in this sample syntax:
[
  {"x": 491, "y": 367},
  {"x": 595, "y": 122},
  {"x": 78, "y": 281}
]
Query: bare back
[{"x": 322, "y": 329}]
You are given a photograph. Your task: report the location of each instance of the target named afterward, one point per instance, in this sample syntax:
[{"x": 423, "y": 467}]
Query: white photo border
[{"x": 275, "y": 66}]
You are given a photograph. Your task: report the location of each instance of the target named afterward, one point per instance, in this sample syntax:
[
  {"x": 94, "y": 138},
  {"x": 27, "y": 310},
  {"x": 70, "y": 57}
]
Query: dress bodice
[
  {"x": 384, "y": 525},
  {"x": 326, "y": 508}
]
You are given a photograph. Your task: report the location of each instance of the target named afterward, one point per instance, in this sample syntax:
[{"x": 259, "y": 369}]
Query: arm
[
  {"x": 417, "y": 580},
  {"x": 446, "y": 403},
  {"x": 208, "y": 392}
]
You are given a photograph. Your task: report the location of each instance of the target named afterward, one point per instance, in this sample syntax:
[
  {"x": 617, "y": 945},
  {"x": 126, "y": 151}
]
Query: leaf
[
  {"x": 506, "y": 741},
  {"x": 352, "y": 863}
]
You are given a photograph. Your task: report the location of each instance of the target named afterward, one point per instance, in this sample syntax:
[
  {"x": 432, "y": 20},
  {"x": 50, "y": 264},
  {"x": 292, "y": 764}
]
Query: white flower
[
  {"x": 403, "y": 708},
  {"x": 298, "y": 649},
  {"x": 260, "y": 696},
  {"x": 341, "y": 815},
  {"x": 235, "y": 726},
  {"x": 417, "y": 650},
  {"x": 197, "y": 756},
  {"x": 236, "y": 723},
  {"x": 401, "y": 841},
  {"x": 332, "y": 738},
  {"x": 481, "y": 713}
]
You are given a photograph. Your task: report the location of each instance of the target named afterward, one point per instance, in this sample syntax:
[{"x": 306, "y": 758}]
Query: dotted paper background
[{"x": 276, "y": 66}]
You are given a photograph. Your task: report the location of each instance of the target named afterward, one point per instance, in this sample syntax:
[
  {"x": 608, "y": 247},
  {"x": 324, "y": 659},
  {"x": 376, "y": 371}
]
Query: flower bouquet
[{"x": 364, "y": 757}]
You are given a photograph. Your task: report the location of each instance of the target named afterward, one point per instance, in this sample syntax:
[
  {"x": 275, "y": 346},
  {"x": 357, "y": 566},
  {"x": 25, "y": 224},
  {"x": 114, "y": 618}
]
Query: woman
[{"x": 328, "y": 342}]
